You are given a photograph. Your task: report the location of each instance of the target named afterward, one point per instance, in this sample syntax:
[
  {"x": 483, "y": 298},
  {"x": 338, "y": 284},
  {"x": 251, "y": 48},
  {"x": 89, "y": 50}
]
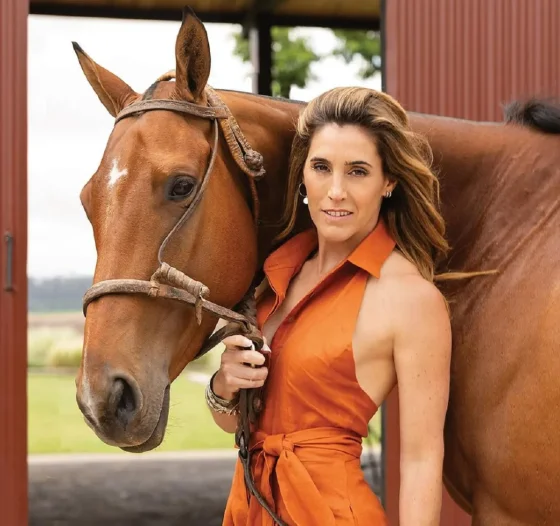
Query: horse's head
[{"x": 151, "y": 172}]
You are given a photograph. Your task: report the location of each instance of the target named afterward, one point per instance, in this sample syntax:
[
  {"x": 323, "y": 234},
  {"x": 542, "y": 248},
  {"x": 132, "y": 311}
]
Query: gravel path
[{"x": 186, "y": 489}]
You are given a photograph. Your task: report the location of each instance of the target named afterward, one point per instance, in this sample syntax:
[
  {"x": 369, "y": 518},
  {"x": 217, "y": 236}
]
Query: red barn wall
[
  {"x": 13, "y": 303},
  {"x": 464, "y": 59}
]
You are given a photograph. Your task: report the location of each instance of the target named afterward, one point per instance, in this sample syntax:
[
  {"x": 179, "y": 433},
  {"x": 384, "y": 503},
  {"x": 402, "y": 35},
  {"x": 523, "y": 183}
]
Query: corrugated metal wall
[
  {"x": 463, "y": 58},
  {"x": 451, "y": 514},
  {"x": 13, "y": 302}
]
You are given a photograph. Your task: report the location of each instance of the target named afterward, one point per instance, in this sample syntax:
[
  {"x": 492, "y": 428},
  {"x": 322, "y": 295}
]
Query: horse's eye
[{"x": 181, "y": 187}]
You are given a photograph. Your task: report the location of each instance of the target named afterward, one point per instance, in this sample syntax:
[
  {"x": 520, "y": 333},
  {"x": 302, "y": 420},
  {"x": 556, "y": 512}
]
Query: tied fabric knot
[
  {"x": 277, "y": 457},
  {"x": 273, "y": 445}
]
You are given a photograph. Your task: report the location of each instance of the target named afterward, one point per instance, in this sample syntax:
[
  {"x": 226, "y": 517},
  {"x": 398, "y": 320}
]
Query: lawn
[{"x": 56, "y": 424}]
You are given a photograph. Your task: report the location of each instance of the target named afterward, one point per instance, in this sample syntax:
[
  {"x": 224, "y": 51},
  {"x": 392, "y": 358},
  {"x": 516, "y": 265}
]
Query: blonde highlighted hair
[{"x": 412, "y": 213}]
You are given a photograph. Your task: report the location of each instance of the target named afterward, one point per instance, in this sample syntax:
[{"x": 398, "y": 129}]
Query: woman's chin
[
  {"x": 336, "y": 232},
  {"x": 338, "y": 237}
]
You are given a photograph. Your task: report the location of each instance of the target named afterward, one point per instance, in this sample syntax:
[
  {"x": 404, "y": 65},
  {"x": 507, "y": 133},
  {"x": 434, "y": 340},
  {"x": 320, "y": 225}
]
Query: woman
[{"x": 350, "y": 312}]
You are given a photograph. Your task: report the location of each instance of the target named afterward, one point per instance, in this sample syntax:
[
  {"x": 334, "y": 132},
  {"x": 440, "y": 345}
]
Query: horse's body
[
  {"x": 501, "y": 203},
  {"x": 502, "y": 212}
]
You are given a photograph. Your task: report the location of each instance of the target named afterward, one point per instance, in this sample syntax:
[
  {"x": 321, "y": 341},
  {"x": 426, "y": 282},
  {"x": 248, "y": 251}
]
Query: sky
[{"x": 68, "y": 127}]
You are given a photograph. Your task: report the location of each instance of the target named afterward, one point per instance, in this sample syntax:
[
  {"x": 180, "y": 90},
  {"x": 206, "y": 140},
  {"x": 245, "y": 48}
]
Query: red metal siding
[
  {"x": 13, "y": 303},
  {"x": 464, "y": 58},
  {"x": 451, "y": 514}
]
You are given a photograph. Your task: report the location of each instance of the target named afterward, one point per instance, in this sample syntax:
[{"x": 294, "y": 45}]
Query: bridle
[{"x": 170, "y": 283}]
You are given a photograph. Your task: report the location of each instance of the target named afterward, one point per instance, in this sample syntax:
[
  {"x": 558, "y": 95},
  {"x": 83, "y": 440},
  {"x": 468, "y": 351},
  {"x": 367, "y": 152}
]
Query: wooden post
[{"x": 260, "y": 45}]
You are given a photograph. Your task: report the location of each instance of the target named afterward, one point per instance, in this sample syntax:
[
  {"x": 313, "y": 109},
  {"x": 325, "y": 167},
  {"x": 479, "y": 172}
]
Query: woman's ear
[{"x": 388, "y": 187}]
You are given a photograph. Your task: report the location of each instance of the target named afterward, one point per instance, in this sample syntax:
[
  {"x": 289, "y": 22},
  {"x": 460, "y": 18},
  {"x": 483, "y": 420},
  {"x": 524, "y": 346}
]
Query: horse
[{"x": 498, "y": 200}]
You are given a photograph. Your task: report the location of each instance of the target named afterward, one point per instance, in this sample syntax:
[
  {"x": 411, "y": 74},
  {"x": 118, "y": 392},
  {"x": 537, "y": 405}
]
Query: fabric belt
[{"x": 284, "y": 456}]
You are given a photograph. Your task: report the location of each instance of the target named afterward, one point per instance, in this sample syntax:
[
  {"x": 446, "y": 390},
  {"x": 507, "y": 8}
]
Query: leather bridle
[{"x": 170, "y": 283}]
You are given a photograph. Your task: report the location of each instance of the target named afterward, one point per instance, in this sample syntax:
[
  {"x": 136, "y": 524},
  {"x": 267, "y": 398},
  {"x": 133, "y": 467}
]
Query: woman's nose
[{"x": 337, "y": 190}]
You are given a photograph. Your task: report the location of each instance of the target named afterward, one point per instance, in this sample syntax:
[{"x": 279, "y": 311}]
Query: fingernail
[{"x": 248, "y": 343}]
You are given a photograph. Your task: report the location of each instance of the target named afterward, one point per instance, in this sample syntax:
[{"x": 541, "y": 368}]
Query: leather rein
[{"x": 170, "y": 283}]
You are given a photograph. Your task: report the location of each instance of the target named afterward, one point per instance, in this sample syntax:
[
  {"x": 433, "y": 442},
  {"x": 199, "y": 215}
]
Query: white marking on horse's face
[
  {"x": 86, "y": 392},
  {"x": 115, "y": 174},
  {"x": 87, "y": 397}
]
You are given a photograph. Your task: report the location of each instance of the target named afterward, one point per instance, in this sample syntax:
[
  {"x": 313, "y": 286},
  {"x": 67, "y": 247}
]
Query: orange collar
[{"x": 286, "y": 261}]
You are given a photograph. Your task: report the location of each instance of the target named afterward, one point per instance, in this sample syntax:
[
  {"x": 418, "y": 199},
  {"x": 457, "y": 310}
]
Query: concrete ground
[{"x": 186, "y": 489}]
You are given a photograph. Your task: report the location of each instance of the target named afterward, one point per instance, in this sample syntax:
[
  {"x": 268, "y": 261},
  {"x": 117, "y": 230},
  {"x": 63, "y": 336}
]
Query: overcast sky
[{"x": 68, "y": 126}]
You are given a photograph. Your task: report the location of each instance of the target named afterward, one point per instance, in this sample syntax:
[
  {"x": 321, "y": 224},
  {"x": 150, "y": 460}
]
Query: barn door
[
  {"x": 463, "y": 59},
  {"x": 13, "y": 255}
]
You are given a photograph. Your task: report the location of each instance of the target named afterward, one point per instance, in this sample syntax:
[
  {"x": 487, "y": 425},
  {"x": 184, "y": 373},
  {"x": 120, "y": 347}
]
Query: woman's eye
[
  {"x": 359, "y": 173},
  {"x": 320, "y": 167},
  {"x": 181, "y": 187}
]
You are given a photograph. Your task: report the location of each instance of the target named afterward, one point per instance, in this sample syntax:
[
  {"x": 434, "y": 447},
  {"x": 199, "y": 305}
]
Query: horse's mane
[{"x": 540, "y": 114}]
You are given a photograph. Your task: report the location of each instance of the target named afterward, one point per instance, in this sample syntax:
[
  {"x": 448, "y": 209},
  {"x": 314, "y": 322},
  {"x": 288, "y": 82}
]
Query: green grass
[{"x": 56, "y": 424}]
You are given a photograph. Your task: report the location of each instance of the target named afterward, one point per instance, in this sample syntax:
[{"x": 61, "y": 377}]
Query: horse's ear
[
  {"x": 192, "y": 55},
  {"x": 113, "y": 92}
]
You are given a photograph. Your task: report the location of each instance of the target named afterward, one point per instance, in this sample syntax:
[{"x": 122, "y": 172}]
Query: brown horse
[
  {"x": 501, "y": 203},
  {"x": 500, "y": 200}
]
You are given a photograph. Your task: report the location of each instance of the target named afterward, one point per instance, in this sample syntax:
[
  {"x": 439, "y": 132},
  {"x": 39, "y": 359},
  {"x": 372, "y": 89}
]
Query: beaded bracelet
[{"x": 218, "y": 404}]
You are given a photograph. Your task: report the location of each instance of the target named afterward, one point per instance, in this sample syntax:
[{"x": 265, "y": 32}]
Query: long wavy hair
[{"x": 412, "y": 214}]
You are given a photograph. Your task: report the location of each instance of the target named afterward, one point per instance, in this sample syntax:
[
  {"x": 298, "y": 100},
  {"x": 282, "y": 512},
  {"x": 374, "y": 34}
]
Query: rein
[{"x": 170, "y": 283}]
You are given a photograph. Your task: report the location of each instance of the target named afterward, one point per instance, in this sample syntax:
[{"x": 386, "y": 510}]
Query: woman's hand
[{"x": 239, "y": 369}]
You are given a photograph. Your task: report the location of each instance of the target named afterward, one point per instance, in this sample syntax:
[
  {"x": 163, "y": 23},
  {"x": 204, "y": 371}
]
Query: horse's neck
[
  {"x": 494, "y": 180},
  {"x": 269, "y": 126},
  {"x": 467, "y": 155}
]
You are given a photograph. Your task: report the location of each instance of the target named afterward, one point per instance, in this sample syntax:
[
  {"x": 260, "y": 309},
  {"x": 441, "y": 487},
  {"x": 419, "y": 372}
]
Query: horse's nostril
[{"x": 123, "y": 400}]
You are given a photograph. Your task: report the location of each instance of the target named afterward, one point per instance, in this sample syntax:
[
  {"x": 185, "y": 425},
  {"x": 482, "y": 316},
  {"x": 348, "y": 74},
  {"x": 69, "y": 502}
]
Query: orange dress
[{"x": 308, "y": 442}]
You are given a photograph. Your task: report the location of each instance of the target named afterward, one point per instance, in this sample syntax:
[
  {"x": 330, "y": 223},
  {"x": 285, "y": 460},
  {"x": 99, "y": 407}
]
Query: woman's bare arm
[{"x": 422, "y": 354}]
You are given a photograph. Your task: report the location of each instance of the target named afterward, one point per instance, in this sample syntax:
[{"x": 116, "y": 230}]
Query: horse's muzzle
[{"x": 113, "y": 407}]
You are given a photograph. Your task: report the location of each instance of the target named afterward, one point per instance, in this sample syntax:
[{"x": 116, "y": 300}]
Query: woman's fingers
[
  {"x": 248, "y": 373},
  {"x": 239, "y": 376},
  {"x": 241, "y": 365},
  {"x": 253, "y": 358},
  {"x": 238, "y": 341}
]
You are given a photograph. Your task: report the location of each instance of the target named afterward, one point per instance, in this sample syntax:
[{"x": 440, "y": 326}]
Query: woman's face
[{"x": 345, "y": 182}]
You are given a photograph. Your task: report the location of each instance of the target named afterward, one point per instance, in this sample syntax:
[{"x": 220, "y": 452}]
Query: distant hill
[{"x": 57, "y": 294}]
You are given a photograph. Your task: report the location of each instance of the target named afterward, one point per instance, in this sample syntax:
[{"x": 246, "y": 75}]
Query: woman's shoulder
[
  {"x": 405, "y": 292},
  {"x": 403, "y": 310}
]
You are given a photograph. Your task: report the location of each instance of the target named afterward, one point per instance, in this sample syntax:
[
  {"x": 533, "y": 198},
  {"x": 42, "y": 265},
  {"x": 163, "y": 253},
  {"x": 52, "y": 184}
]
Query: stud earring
[
  {"x": 305, "y": 199},
  {"x": 388, "y": 194}
]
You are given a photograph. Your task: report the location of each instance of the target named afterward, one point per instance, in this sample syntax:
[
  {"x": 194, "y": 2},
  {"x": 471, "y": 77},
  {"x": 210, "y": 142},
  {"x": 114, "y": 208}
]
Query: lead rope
[{"x": 250, "y": 400}]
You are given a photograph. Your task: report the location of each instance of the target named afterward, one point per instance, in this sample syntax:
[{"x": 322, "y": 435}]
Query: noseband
[{"x": 170, "y": 283}]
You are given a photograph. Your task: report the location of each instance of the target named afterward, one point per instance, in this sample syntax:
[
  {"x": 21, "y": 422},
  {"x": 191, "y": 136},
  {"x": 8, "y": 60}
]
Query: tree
[
  {"x": 360, "y": 44},
  {"x": 291, "y": 59},
  {"x": 292, "y": 56}
]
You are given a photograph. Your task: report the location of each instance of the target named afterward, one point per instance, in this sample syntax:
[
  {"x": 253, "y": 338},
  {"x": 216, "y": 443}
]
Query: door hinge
[{"x": 8, "y": 281}]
